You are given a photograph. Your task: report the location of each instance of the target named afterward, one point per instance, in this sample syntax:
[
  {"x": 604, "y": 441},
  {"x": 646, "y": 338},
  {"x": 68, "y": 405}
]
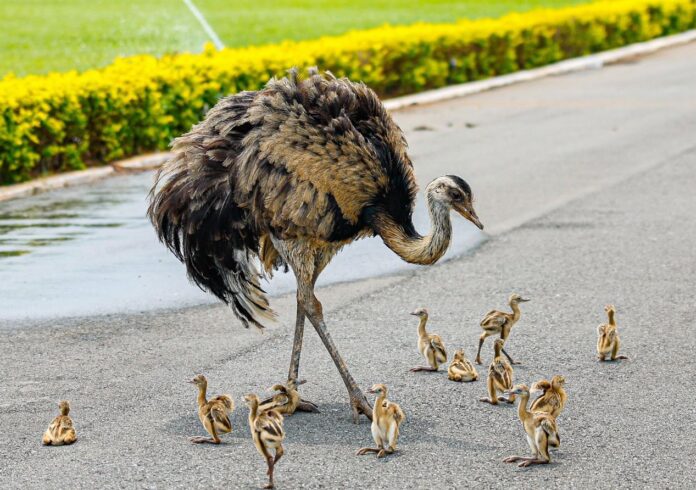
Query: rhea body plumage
[
  {"x": 541, "y": 430},
  {"x": 499, "y": 376},
  {"x": 61, "y": 431},
  {"x": 430, "y": 345},
  {"x": 553, "y": 397},
  {"x": 287, "y": 176},
  {"x": 386, "y": 421},
  {"x": 500, "y": 322},
  {"x": 268, "y": 434},
  {"x": 461, "y": 369},
  {"x": 608, "y": 341},
  {"x": 286, "y": 400},
  {"x": 214, "y": 414}
]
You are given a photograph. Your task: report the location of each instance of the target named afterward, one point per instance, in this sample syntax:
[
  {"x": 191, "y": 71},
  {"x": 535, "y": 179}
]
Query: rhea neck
[
  {"x": 522, "y": 408},
  {"x": 408, "y": 244},
  {"x": 421, "y": 325},
  {"x": 610, "y": 314},
  {"x": 516, "y": 313},
  {"x": 253, "y": 408},
  {"x": 202, "y": 388},
  {"x": 379, "y": 404}
]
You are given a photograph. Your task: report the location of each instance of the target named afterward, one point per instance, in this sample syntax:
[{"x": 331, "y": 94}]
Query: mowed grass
[{"x": 38, "y": 36}]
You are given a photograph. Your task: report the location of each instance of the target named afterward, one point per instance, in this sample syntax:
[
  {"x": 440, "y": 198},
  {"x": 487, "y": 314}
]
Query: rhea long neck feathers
[
  {"x": 522, "y": 408},
  {"x": 202, "y": 388},
  {"x": 421, "y": 325},
  {"x": 411, "y": 246}
]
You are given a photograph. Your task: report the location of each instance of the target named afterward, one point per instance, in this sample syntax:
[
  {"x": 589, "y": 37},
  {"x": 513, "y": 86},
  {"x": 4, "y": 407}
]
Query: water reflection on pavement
[{"x": 90, "y": 250}]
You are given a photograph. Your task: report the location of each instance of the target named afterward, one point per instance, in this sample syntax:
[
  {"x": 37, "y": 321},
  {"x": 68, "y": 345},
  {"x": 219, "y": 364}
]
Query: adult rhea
[{"x": 289, "y": 175}]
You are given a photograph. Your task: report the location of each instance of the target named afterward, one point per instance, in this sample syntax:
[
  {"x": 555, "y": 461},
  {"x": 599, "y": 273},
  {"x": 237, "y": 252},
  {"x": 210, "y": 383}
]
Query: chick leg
[
  {"x": 492, "y": 396},
  {"x": 615, "y": 351},
  {"x": 483, "y": 337},
  {"x": 312, "y": 306},
  {"x": 510, "y": 358},
  {"x": 271, "y": 464},
  {"x": 423, "y": 368},
  {"x": 367, "y": 450},
  {"x": 210, "y": 428}
]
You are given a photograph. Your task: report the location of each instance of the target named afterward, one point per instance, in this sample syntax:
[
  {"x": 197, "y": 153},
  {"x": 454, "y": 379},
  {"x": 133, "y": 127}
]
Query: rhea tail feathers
[{"x": 194, "y": 216}]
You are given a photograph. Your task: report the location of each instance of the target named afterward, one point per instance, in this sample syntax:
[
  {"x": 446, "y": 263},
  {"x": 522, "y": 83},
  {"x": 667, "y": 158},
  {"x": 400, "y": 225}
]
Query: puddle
[{"x": 90, "y": 250}]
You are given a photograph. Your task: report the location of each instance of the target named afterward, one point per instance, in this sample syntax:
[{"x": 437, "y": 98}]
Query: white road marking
[{"x": 204, "y": 23}]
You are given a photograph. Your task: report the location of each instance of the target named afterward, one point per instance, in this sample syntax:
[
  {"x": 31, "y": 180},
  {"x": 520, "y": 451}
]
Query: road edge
[{"x": 590, "y": 62}]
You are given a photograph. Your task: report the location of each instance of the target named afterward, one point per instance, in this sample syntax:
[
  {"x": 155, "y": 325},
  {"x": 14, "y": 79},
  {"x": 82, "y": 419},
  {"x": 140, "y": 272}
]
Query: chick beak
[
  {"x": 413, "y": 313},
  {"x": 523, "y": 300},
  {"x": 371, "y": 391}
]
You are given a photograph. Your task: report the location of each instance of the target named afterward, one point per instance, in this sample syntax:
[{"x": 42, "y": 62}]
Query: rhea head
[{"x": 455, "y": 193}]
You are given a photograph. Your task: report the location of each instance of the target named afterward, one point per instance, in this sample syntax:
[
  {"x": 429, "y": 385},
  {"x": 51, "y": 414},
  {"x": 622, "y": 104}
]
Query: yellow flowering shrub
[{"x": 64, "y": 121}]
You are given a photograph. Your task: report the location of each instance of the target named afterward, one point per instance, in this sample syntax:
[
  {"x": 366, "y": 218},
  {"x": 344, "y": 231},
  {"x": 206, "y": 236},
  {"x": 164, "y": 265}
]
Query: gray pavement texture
[{"x": 586, "y": 182}]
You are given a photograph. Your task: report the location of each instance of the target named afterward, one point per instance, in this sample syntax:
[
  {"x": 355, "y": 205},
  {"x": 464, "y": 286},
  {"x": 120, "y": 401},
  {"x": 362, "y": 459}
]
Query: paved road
[{"x": 587, "y": 183}]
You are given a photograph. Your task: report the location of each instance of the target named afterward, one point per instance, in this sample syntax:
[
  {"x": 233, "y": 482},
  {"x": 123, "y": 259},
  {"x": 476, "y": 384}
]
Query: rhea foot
[
  {"x": 360, "y": 405},
  {"x": 367, "y": 450},
  {"x": 307, "y": 406},
  {"x": 512, "y": 459},
  {"x": 532, "y": 462},
  {"x": 423, "y": 368},
  {"x": 204, "y": 440}
]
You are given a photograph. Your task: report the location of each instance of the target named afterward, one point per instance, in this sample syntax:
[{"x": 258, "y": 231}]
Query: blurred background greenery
[{"x": 38, "y": 36}]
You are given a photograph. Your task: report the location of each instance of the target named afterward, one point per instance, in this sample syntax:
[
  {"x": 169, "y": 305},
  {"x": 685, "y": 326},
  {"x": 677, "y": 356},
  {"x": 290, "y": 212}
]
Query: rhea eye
[{"x": 455, "y": 194}]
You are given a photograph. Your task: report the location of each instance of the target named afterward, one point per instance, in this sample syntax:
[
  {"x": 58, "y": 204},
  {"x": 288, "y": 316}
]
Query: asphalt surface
[{"x": 586, "y": 183}]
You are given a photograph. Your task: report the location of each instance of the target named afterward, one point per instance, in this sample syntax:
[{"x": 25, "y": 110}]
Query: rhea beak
[
  {"x": 413, "y": 313},
  {"x": 523, "y": 300},
  {"x": 467, "y": 211}
]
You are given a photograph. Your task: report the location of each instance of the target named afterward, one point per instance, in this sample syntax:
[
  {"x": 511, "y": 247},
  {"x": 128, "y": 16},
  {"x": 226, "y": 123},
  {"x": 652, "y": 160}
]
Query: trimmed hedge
[{"x": 65, "y": 121}]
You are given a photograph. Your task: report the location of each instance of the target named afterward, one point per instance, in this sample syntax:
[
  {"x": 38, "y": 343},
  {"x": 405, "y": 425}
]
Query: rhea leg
[
  {"x": 297, "y": 343},
  {"x": 615, "y": 351},
  {"x": 510, "y": 358},
  {"x": 312, "y": 306},
  {"x": 210, "y": 427},
  {"x": 271, "y": 464},
  {"x": 492, "y": 395},
  {"x": 483, "y": 337}
]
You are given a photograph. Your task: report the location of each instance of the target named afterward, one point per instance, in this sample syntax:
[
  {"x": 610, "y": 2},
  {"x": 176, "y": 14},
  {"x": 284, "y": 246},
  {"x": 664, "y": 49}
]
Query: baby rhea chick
[
  {"x": 267, "y": 432},
  {"x": 214, "y": 414},
  {"x": 61, "y": 430},
  {"x": 553, "y": 397},
  {"x": 499, "y": 376},
  {"x": 541, "y": 430},
  {"x": 608, "y": 342},
  {"x": 430, "y": 345},
  {"x": 460, "y": 369},
  {"x": 499, "y": 322},
  {"x": 287, "y": 400},
  {"x": 387, "y": 417}
]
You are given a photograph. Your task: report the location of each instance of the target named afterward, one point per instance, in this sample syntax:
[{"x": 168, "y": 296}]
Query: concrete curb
[
  {"x": 594, "y": 61},
  {"x": 135, "y": 164},
  {"x": 590, "y": 62}
]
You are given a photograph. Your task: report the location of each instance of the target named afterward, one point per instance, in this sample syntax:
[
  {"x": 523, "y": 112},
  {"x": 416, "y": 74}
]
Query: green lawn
[{"x": 37, "y": 36}]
